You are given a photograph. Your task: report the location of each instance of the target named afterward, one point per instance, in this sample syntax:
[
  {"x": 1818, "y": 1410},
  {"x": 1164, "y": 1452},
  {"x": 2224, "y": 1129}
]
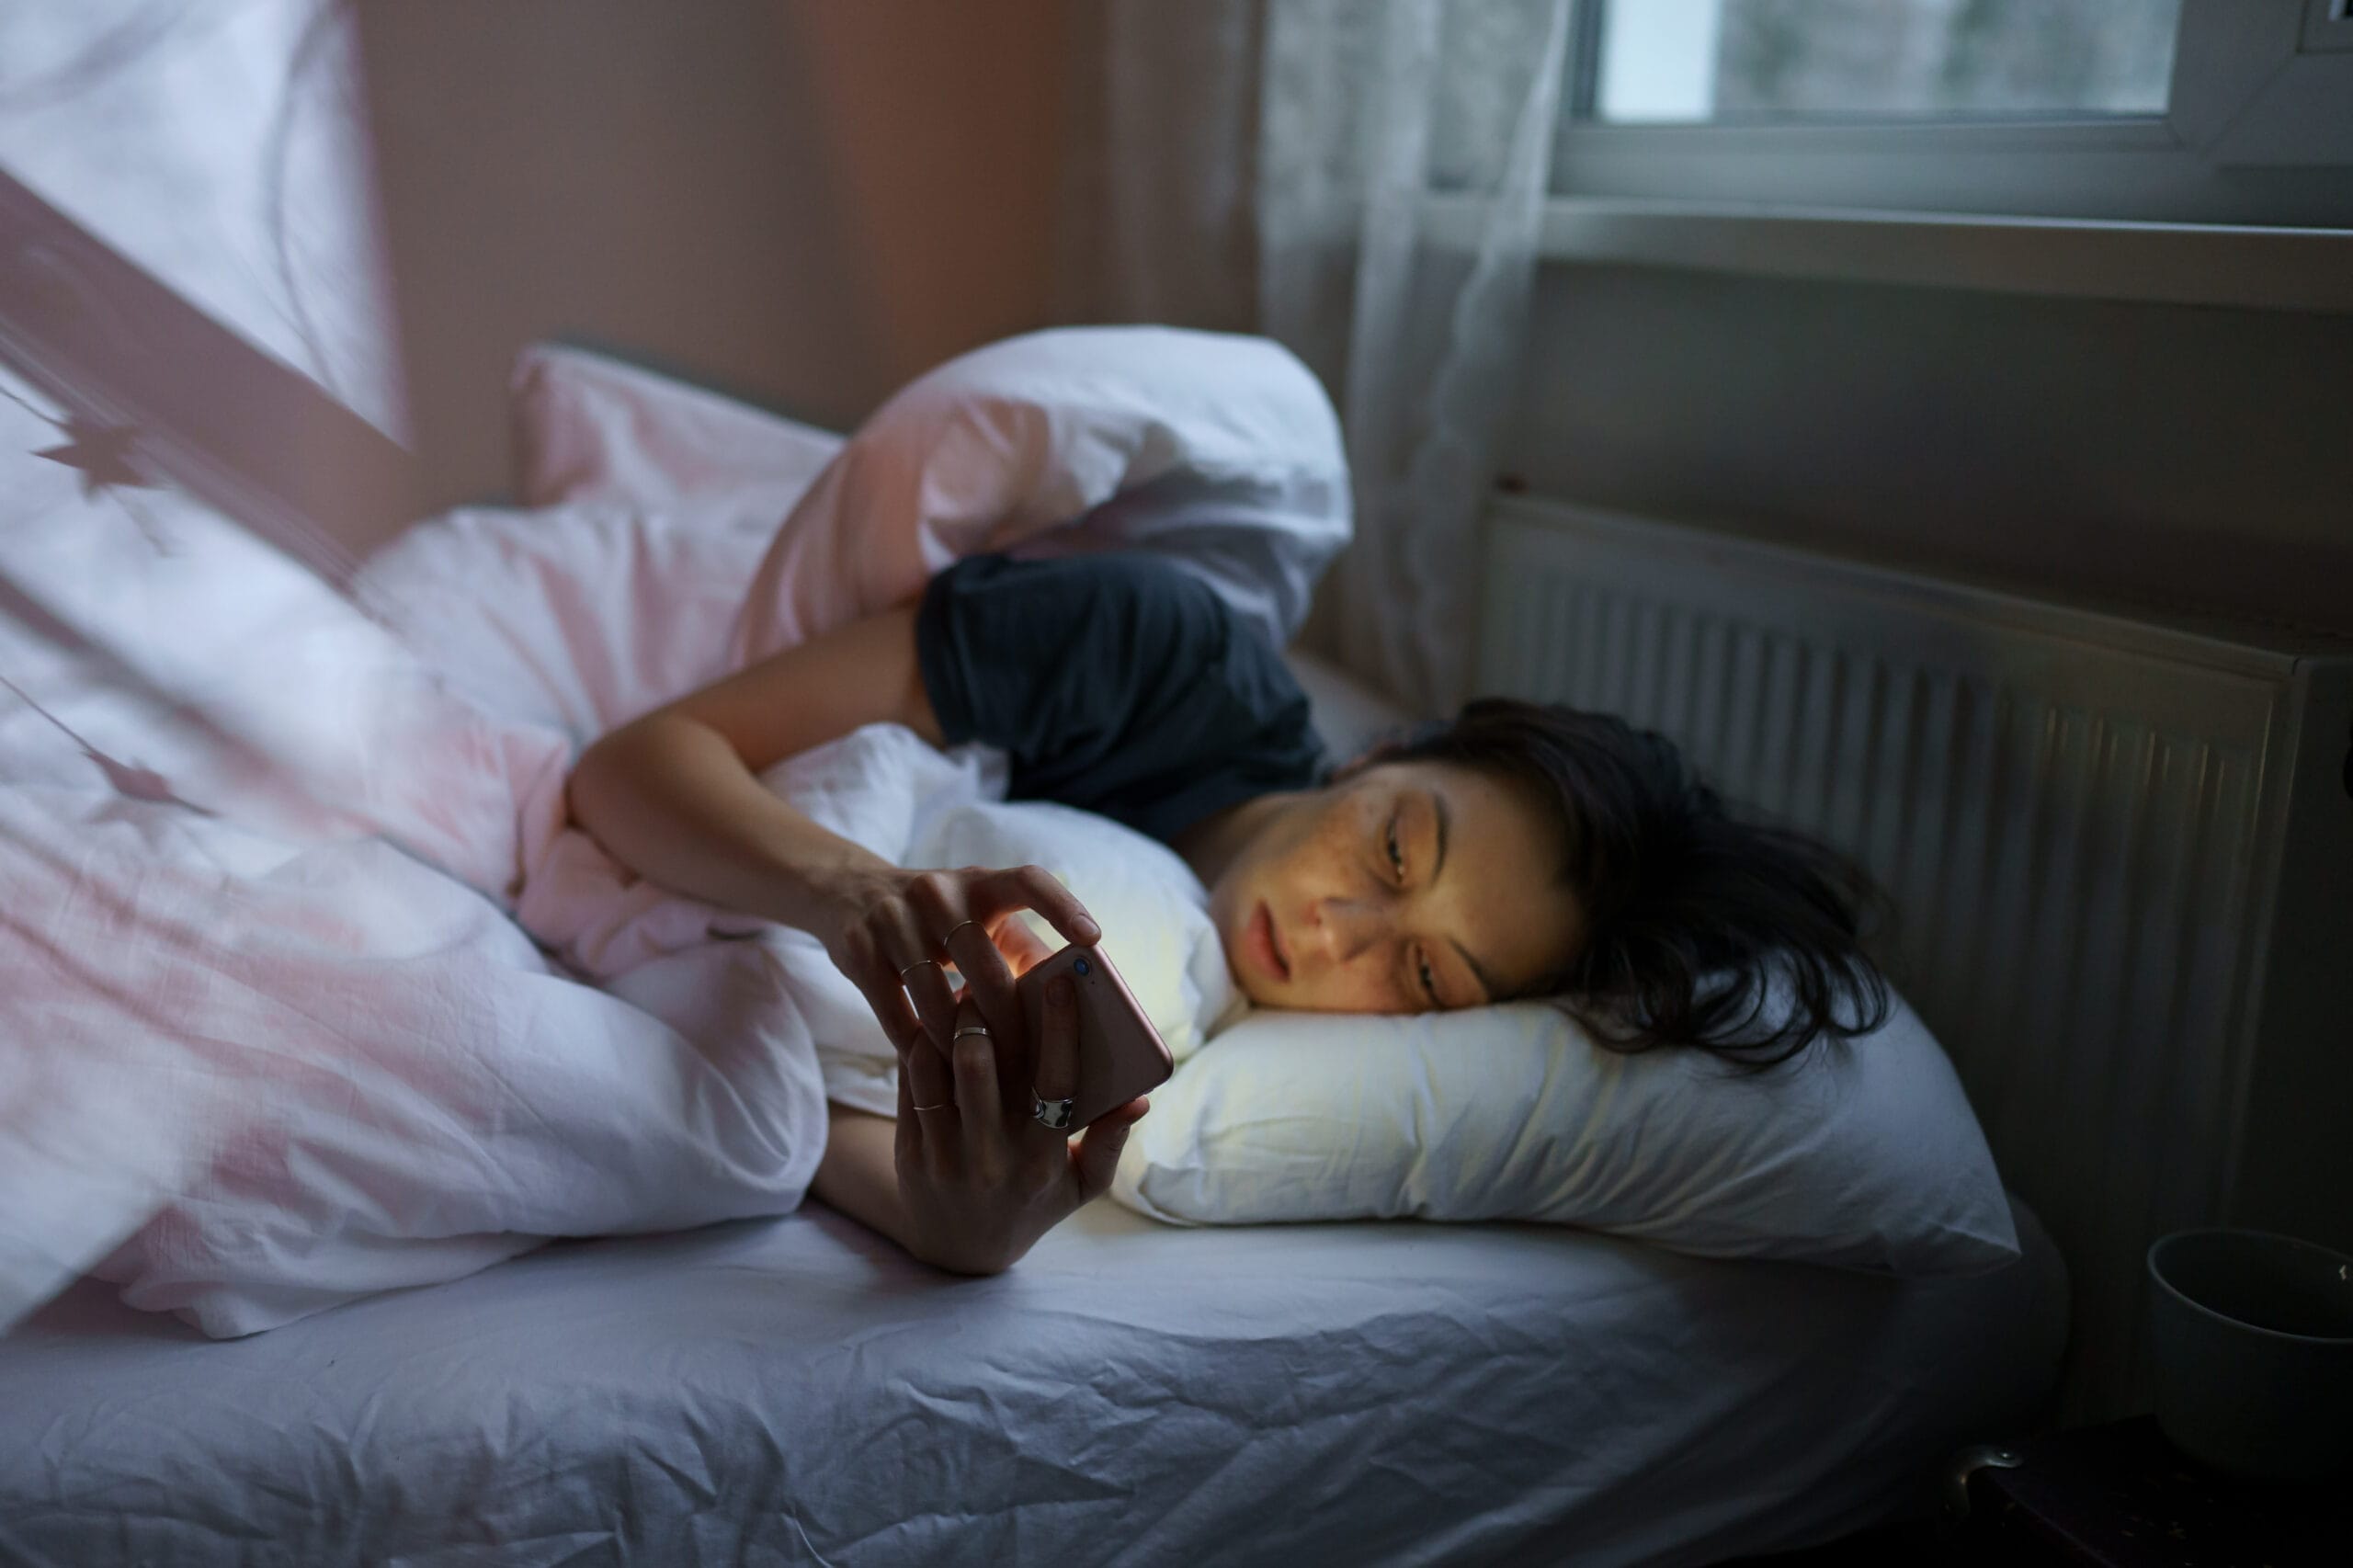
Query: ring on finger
[
  {"x": 953, "y": 929},
  {"x": 917, "y": 965},
  {"x": 963, "y": 1029},
  {"x": 1051, "y": 1113},
  {"x": 944, "y": 1105}
]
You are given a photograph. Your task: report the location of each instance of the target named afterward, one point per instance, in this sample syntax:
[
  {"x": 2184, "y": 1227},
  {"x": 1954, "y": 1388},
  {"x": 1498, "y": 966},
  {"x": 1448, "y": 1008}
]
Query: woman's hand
[
  {"x": 890, "y": 931},
  {"x": 981, "y": 1178}
]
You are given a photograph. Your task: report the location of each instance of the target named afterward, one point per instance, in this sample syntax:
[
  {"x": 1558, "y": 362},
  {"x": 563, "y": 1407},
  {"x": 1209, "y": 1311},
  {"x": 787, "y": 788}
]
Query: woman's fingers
[
  {"x": 934, "y": 999},
  {"x": 943, "y": 907},
  {"x": 872, "y": 974},
  {"x": 1021, "y": 948},
  {"x": 924, "y": 1076},
  {"x": 1057, "y": 1077},
  {"x": 1098, "y": 1160},
  {"x": 906, "y": 1146},
  {"x": 955, "y": 1094},
  {"x": 927, "y": 1080},
  {"x": 980, "y": 1106},
  {"x": 1034, "y": 887},
  {"x": 1092, "y": 1163},
  {"x": 980, "y": 963},
  {"x": 915, "y": 955}
]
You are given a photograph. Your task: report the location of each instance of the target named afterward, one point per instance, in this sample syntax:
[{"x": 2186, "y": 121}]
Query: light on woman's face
[{"x": 1405, "y": 888}]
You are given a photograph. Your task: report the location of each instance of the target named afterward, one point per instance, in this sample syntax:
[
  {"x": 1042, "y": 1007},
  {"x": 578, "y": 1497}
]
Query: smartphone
[{"x": 1121, "y": 1055}]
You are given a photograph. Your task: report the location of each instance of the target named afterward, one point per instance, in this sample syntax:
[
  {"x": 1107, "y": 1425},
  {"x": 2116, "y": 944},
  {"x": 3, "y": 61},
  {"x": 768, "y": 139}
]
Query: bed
[{"x": 797, "y": 1390}]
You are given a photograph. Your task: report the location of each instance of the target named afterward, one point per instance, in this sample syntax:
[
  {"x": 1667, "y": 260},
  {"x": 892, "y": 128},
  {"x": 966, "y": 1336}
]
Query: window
[
  {"x": 2232, "y": 112},
  {"x": 1763, "y": 62}
]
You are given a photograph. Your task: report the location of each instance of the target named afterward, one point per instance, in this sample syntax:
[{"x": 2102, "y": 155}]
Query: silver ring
[
  {"x": 917, "y": 965},
  {"x": 1054, "y": 1114},
  {"x": 980, "y": 1030},
  {"x": 944, "y": 1105},
  {"x": 953, "y": 929}
]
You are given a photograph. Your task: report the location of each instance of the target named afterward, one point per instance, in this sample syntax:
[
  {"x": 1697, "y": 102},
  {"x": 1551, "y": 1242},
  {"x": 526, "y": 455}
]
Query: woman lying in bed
[{"x": 1520, "y": 850}]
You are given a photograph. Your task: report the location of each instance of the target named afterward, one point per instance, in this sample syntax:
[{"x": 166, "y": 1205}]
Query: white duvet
[{"x": 274, "y": 1035}]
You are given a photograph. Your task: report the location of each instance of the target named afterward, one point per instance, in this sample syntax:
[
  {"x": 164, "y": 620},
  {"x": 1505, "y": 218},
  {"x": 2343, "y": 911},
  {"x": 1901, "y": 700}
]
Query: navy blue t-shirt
[{"x": 1116, "y": 683}]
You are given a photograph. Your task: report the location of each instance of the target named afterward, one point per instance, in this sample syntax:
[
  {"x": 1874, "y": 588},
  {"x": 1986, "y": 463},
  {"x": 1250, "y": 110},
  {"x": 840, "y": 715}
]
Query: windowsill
[{"x": 2201, "y": 264}]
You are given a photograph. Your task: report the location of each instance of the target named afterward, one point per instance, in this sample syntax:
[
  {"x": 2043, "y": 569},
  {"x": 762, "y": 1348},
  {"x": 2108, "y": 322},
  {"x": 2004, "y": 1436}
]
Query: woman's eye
[
  {"x": 1429, "y": 980},
  {"x": 1396, "y": 856}
]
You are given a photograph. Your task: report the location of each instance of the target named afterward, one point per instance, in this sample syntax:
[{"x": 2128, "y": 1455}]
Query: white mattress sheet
[{"x": 800, "y": 1391}]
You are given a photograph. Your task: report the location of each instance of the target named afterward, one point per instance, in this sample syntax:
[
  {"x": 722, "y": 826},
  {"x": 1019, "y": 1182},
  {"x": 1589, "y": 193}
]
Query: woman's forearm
[
  {"x": 669, "y": 798},
  {"x": 859, "y": 1174}
]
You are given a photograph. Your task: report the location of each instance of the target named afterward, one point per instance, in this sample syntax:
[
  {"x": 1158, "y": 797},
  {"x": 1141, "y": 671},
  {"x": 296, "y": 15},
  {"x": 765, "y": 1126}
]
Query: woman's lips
[{"x": 1262, "y": 944}]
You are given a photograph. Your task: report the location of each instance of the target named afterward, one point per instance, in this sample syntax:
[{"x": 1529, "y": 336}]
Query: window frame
[{"x": 2259, "y": 130}]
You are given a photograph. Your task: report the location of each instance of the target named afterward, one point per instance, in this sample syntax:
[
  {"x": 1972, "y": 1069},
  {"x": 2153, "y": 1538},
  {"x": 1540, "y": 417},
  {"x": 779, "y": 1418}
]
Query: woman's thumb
[{"x": 1099, "y": 1147}]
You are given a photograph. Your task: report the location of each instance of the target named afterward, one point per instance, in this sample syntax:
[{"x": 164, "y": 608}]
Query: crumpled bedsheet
[{"x": 797, "y": 1390}]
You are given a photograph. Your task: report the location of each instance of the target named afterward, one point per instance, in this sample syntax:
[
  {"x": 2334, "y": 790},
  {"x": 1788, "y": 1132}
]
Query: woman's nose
[{"x": 1347, "y": 928}]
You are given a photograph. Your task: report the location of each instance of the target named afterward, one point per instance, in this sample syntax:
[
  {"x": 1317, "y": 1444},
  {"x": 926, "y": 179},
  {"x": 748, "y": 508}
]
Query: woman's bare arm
[
  {"x": 859, "y": 1173},
  {"x": 676, "y": 797}
]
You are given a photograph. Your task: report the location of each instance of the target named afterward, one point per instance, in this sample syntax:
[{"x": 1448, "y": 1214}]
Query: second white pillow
[{"x": 1863, "y": 1154}]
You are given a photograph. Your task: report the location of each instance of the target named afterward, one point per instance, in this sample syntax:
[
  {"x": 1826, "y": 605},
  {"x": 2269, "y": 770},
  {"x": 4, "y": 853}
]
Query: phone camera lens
[{"x": 1080, "y": 966}]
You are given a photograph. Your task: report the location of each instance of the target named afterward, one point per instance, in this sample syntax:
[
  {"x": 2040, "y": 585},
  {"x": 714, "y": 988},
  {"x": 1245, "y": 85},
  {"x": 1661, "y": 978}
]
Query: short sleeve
[{"x": 1116, "y": 683}]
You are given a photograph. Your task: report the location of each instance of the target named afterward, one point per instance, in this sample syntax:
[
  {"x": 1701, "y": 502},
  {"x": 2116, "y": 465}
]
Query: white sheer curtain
[{"x": 1364, "y": 180}]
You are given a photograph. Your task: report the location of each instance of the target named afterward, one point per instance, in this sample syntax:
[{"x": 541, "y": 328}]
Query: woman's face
[{"x": 1403, "y": 888}]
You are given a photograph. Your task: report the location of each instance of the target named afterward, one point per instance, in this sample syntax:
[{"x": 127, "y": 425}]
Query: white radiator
[{"x": 2121, "y": 854}]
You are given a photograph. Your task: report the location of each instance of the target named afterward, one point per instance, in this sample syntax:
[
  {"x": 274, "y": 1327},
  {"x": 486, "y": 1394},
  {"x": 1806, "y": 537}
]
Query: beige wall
[
  {"x": 2168, "y": 454},
  {"x": 806, "y": 202}
]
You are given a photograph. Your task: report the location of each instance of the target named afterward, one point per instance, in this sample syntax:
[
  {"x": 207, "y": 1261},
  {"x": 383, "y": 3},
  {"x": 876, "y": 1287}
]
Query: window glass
[{"x": 1780, "y": 61}]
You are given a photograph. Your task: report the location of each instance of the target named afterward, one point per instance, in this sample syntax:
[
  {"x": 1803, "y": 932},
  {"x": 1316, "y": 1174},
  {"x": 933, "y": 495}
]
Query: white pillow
[
  {"x": 1221, "y": 452},
  {"x": 591, "y": 428},
  {"x": 1864, "y": 1154}
]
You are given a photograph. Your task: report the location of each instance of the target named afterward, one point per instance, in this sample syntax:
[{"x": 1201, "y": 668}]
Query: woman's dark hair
[{"x": 1695, "y": 917}]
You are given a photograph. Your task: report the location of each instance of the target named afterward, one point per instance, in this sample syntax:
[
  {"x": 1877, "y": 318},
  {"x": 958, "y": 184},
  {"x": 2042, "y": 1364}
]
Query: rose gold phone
[{"x": 1120, "y": 1054}]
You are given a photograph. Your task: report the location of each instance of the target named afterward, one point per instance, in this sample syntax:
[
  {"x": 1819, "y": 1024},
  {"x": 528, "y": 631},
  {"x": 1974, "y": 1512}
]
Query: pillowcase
[
  {"x": 592, "y": 428},
  {"x": 1863, "y": 1154},
  {"x": 1221, "y": 452}
]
